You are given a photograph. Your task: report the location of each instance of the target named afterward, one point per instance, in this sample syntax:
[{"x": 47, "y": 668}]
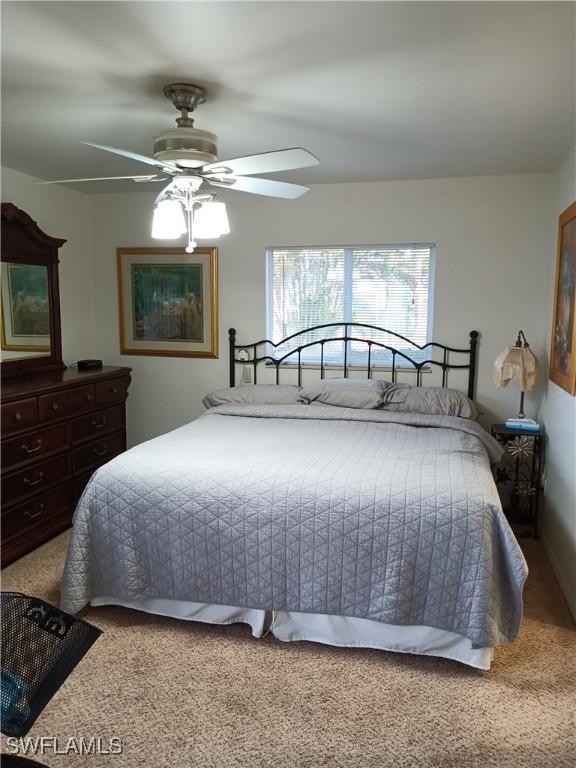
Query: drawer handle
[
  {"x": 99, "y": 424},
  {"x": 55, "y": 406},
  {"x": 113, "y": 390},
  {"x": 27, "y": 449},
  {"x": 33, "y": 515},
  {"x": 100, "y": 451},
  {"x": 18, "y": 416},
  {"x": 88, "y": 398},
  {"x": 32, "y": 483}
]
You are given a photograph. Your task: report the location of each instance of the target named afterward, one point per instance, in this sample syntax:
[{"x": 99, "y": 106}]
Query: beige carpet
[{"x": 180, "y": 694}]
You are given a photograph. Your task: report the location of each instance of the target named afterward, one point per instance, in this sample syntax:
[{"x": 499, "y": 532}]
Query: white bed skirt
[{"x": 343, "y": 631}]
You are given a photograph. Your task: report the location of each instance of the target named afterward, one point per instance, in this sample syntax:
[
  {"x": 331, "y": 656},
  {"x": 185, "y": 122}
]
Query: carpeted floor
[{"x": 180, "y": 694}]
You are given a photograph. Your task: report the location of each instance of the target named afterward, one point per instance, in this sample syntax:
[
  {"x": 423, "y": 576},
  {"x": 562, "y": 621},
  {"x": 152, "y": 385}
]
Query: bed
[{"x": 356, "y": 527}]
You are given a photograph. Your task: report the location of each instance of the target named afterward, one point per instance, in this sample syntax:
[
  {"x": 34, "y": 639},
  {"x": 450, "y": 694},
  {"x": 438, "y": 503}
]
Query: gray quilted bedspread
[{"x": 386, "y": 516}]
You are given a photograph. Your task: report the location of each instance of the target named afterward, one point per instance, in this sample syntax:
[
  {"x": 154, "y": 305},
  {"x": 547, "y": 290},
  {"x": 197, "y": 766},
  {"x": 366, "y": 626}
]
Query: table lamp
[{"x": 517, "y": 363}]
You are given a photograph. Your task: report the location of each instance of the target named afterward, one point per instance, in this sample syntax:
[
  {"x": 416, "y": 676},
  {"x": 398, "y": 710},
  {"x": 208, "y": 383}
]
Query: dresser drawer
[
  {"x": 29, "y": 448},
  {"x": 111, "y": 391},
  {"x": 68, "y": 402},
  {"x": 97, "y": 423},
  {"x": 19, "y": 415},
  {"x": 98, "y": 452},
  {"x": 36, "y": 478},
  {"x": 44, "y": 511}
]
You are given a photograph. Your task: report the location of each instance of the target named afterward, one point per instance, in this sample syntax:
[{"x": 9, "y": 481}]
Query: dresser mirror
[
  {"x": 30, "y": 300},
  {"x": 25, "y": 311}
]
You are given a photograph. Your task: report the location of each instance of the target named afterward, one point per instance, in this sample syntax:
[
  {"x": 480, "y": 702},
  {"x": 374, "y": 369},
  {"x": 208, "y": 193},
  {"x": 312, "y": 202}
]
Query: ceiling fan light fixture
[
  {"x": 187, "y": 158},
  {"x": 168, "y": 221},
  {"x": 186, "y": 147},
  {"x": 211, "y": 220}
]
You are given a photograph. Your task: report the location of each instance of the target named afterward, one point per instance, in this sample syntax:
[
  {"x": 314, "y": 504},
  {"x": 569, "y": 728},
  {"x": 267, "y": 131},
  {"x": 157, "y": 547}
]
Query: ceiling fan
[{"x": 187, "y": 158}]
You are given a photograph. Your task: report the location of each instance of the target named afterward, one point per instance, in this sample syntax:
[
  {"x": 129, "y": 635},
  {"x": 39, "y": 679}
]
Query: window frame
[{"x": 348, "y": 284}]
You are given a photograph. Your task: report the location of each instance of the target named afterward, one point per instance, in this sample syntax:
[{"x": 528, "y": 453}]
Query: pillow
[
  {"x": 254, "y": 394},
  {"x": 439, "y": 401},
  {"x": 348, "y": 393}
]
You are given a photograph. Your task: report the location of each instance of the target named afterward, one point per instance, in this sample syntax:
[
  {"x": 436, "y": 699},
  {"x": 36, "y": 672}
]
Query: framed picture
[
  {"x": 563, "y": 347},
  {"x": 25, "y": 307},
  {"x": 168, "y": 301}
]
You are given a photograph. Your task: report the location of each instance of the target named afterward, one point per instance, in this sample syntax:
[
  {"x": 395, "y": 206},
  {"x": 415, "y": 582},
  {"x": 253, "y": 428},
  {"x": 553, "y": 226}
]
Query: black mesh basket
[{"x": 41, "y": 645}]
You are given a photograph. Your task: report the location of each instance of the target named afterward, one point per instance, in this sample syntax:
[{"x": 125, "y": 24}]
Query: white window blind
[{"x": 389, "y": 286}]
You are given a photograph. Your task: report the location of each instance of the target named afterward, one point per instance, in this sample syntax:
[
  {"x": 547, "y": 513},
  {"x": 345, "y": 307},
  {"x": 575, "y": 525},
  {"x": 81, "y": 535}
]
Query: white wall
[
  {"x": 64, "y": 213},
  {"x": 492, "y": 237},
  {"x": 559, "y": 416}
]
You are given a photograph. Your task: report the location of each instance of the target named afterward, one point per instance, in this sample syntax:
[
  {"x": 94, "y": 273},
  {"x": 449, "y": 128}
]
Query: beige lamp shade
[{"x": 516, "y": 364}]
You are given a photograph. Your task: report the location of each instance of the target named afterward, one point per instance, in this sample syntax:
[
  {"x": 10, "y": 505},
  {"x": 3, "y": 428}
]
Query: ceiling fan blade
[
  {"x": 134, "y": 156},
  {"x": 105, "y": 178},
  {"x": 267, "y": 162},
  {"x": 259, "y": 186}
]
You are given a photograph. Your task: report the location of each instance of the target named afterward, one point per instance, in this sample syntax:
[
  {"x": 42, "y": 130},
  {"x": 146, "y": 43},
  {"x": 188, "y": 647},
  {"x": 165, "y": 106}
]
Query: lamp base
[{"x": 521, "y": 414}]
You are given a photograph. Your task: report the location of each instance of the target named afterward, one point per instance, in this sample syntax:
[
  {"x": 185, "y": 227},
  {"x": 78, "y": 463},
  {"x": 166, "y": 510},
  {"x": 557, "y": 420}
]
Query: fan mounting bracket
[{"x": 185, "y": 97}]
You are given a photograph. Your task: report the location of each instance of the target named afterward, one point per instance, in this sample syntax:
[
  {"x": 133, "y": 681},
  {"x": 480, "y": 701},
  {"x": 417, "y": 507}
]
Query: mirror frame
[{"x": 23, "y": 242}]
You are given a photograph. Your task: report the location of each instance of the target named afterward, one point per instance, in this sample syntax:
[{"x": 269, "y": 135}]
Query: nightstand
[{"x": 518, "y": 475}]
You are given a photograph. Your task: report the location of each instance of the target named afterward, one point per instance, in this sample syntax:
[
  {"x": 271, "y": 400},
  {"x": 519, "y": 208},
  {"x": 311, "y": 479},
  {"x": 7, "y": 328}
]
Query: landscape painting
[
  {"x": 563, "y": 346},
  {"x": 168, "y": 302}
]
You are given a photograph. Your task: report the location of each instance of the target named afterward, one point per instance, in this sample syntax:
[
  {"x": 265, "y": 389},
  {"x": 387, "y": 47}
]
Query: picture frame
[
  {"x": 25, "y": 308},
  {"x": 563, "y": 345},
  {"x": 168, "y": 302}
]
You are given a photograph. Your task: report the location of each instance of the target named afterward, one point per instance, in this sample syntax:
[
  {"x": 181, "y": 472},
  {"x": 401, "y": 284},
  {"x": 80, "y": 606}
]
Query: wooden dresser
[{"x": 57, "y": 428}]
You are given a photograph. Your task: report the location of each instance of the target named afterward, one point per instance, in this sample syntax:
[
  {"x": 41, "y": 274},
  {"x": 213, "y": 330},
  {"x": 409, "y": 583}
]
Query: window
[{"x": 389, "y": 286}]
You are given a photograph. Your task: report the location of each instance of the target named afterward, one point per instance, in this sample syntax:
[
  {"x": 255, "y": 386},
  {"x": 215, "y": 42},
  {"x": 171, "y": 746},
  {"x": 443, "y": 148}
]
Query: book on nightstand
[{"x": 526, "y": 425}]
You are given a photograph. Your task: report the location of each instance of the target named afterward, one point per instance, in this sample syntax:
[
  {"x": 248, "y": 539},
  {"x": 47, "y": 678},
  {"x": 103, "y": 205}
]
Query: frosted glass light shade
[
  {"x": 168, "y": 221},
  {"x": 211, "y": 221}
]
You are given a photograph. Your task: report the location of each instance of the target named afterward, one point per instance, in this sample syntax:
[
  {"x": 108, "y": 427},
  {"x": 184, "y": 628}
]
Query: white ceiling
[{"x": 377, "y": 90}]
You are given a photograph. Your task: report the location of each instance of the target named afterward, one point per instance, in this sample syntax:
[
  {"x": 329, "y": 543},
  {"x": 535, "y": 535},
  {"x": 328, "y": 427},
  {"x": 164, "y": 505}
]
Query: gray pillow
[
  {"x": 348, "y": 393},
  {"x": 439, "y": 401},
  {"x": 254, "y": 394}
]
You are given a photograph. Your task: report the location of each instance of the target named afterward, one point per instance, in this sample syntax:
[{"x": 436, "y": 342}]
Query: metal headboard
[{"x": 258, "y": 354}]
